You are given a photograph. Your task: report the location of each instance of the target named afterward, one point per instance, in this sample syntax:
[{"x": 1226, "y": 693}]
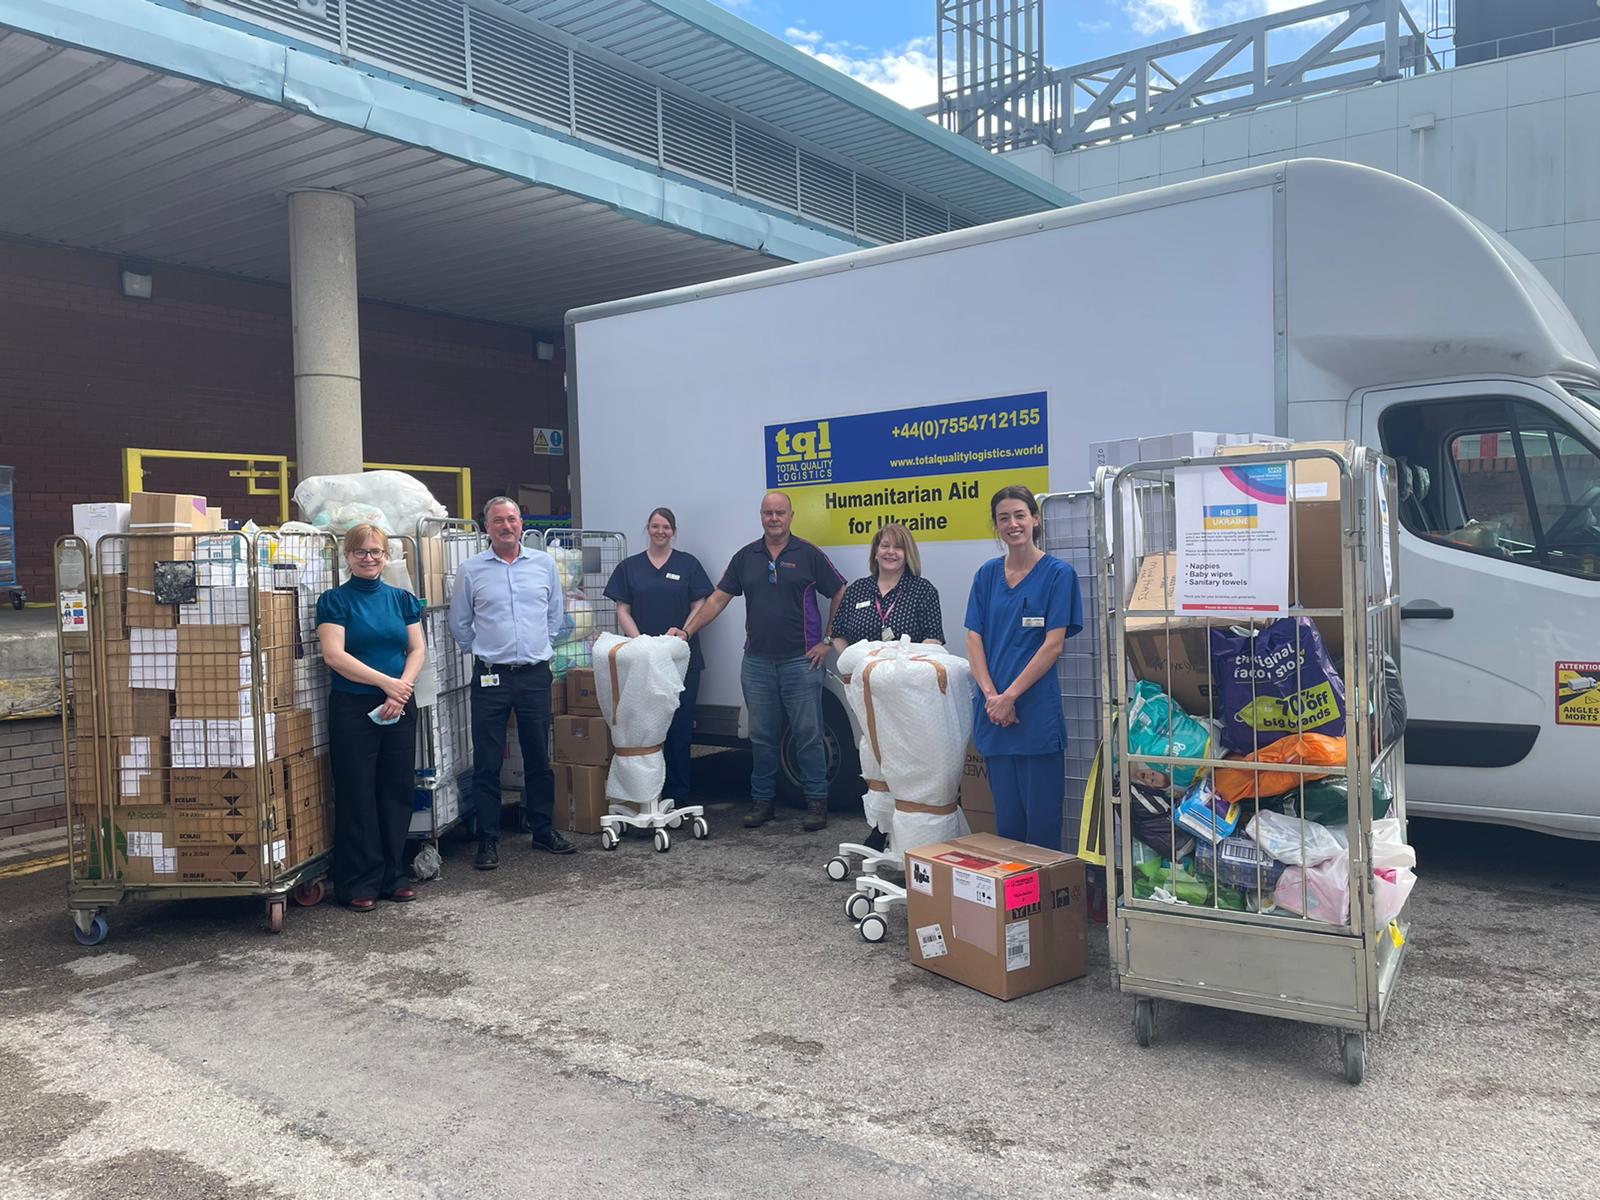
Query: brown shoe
[
  {"x": 816, "y": 816},
  {"x": 760, "y": 813},
  {"x": 404, "y": 894}
]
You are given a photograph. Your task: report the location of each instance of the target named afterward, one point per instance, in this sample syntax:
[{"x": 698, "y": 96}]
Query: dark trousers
[
  {"x": 1029, "y": 792},
  {"x": 525, "y": 692},
  {"x": 680, "y": 737},
  {"x": 374, "y": 782}
]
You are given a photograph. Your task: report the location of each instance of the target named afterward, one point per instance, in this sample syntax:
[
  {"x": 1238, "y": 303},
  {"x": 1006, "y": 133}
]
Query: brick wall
[
  {"x": 31, "y": 790},
  {"x": 208, "y": 365}
]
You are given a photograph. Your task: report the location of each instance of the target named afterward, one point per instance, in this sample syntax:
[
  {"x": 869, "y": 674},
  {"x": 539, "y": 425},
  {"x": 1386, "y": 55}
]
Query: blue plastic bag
[
  {"x": 1273, "y": 682},
  {"x": 1158, "y": 727}
]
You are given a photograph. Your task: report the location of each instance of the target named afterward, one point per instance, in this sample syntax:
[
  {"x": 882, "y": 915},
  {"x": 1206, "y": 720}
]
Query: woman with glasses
[
  {"x": 656, "y": 592},
  {"x": 372, "y": 642}
]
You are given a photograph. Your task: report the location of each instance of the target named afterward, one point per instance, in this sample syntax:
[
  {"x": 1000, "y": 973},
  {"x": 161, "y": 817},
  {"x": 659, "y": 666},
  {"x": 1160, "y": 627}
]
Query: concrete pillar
[{"x": 327, "y": 332}]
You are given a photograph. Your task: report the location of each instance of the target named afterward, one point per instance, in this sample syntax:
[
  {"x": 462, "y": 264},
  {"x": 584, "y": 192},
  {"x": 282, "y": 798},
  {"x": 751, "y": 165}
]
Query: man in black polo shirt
[{"x": 786, "y": 643}]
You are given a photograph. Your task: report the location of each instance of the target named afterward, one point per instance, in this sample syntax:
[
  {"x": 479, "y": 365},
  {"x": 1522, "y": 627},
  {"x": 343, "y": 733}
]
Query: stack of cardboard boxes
[
  {"x": 582, "y": 756},
  {"x": 190, "y": 754}
]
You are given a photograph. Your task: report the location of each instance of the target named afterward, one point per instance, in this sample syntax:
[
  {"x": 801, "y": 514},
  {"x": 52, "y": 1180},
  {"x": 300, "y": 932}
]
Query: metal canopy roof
[
  {"x": 703, "y": 47},
  {"x": 106, "y": 155}
]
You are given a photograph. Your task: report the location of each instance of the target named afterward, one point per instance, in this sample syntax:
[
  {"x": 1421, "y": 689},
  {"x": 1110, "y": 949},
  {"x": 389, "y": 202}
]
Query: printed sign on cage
[{"x": 1233, "y": 539}]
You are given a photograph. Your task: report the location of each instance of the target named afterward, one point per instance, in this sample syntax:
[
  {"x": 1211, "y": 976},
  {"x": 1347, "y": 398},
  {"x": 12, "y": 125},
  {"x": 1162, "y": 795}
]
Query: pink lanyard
[{"x": 877, "y": 601}]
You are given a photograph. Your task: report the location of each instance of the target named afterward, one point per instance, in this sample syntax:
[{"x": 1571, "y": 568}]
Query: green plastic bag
[
  {"x": 1152, "y": 717},
  {"x": 1184, "y": 884},
  {"x": 1327, "y": 800}
]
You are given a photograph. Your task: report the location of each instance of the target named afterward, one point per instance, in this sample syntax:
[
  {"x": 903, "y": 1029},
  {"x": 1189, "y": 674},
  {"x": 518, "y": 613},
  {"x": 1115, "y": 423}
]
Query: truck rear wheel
[{"x": 844, "y": 764}]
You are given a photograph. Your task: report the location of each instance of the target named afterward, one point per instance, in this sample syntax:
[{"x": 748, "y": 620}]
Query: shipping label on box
[
  {"x": 582, "y": 741},
  {"x": 147, "y": 844},
  {"x": 1000, "y": 916}
]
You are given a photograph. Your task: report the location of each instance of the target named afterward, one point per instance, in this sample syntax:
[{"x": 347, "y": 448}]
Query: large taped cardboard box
[
  {"x": 211, "y": 787},
  {"x": 582, "y": 741},
  {"x": 231, "y": 864},
  {"x": 171, "y": 516},
  {"x": 296, "y": 732},
  {"x": 240, "y": 823},
  {"x": 580, "y": 797},
  {"x": 145, "y": 844},
  {"x": 582, "y": 699},
  {"x": 308, "y": 795},
  {"x": 1000, "y": 916}
]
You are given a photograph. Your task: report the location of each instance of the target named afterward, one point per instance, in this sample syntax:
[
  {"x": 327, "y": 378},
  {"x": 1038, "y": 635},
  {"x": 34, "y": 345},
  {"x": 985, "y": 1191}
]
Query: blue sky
[{"x": 889, "y": 44}]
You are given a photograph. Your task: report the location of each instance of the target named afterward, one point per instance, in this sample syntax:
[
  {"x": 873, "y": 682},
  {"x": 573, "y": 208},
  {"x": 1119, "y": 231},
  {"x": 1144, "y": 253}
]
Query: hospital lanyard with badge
[{"x": 877, "y": 602}]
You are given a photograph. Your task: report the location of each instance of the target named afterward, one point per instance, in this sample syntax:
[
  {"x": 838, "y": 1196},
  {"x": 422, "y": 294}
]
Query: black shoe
[
  {"x": 760, "y": 813},
  {"x": 816, "y": 816},
  {"x": 553, "y": 843},
  {"x": 488, "y": 857}
]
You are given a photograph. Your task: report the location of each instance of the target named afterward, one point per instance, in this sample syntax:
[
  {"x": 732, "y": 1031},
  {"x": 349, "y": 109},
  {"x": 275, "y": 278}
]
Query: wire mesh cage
[{"x": 585, "y": 559}]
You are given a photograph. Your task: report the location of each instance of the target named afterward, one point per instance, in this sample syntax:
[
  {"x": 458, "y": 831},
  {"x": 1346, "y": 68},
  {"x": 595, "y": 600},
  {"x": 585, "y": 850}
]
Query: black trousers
[
  {"x": 374, "y": 782},
  {"x": 525, "y": 692}
]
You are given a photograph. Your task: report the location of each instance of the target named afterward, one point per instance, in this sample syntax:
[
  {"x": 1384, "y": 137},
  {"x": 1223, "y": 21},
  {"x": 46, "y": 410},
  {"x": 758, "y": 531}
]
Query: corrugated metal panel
[
  {"x": 878, "y": 211},
  {"x": 108, "y": 156},
  {"x": 766, "y": 167},
  {"x": 697, "y": 139},
  {"x": 827, "y": 191},
  {"x": 615, "y": 108},
  {"x": 318, "y": 21},
  {"x": 923, "y": 219}
]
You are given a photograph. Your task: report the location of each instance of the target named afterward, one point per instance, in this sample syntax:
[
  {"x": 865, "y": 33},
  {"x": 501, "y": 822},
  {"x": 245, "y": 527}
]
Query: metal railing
[{"x": 492, "y": 56}]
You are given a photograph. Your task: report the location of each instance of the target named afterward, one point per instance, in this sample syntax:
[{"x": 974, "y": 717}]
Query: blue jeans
[
  {"x": 776, "y": 688},
  {"x": 678, "y": 747}
]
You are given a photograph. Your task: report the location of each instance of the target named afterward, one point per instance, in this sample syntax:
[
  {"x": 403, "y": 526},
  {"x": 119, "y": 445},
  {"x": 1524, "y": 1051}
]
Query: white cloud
[
  {"x": 906, "y": 74},
  {"x": 1100, "y": 26},
  {"x": 1150, "y": 17},
  {"x": 809, "y": 36}
]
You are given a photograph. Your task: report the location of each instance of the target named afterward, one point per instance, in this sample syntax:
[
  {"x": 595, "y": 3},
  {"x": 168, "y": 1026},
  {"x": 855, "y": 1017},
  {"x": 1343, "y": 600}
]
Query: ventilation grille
[
  {"x": 426, "y": 36},
  {"x": 878, "y": 211},
  {"x": 697, "y": 139},
  {"x": 519, "y": 69},
  {"x": 323, "y": 24},
  {"x": 615, "y": 108}
]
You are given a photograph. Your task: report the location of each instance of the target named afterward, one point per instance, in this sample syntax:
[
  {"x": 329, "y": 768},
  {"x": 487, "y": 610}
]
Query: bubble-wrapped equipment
[
  {"x": 637, "y": 681},
  {"x": 390, "y": 499},
  {"x": 877, "y": 802},
  {"x": 917, "y": 704}
]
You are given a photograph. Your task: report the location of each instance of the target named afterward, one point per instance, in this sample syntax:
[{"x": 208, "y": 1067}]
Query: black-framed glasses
[
  {"x": 372, "y": 554},
  {"x": 772, "y": 572}
]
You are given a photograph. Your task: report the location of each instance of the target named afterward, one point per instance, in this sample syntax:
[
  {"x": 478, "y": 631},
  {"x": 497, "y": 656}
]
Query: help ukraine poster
[{"x": 1233, "y": 539}]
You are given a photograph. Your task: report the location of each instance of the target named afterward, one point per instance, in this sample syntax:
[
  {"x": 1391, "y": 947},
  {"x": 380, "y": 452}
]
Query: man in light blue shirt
[{"x": 506, "y": 612}]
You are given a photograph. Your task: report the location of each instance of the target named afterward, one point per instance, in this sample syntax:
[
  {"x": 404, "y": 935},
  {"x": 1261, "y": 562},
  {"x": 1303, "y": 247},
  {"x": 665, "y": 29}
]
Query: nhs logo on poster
[{"x": 799, "y": 453}]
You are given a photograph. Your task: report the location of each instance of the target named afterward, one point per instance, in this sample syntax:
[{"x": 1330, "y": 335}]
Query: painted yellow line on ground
[{"x": 33, "y": 866}]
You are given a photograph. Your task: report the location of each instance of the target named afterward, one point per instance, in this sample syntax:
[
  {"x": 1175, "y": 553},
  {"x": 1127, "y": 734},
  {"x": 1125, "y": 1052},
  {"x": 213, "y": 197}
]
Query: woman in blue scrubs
[
  {"x": 655, "y": 592},
  {"x": 1022, "y": 609}
]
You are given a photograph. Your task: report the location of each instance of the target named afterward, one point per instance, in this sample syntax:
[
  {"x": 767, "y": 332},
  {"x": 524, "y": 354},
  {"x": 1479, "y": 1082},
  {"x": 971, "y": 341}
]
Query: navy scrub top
[
  {"x": 1008, "y": 621},
  {"x": 660, "y": 599}
]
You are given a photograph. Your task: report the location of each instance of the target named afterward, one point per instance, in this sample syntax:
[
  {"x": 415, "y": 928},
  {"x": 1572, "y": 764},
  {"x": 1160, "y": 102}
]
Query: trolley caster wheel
[
  {"x": 1144, "y": 1021},
  {"x": 275, "y": 916},
  {"x": 96, "y": 932},
  {"x": 17, "y": 601},
  {"x": 675, "y": 823},
  {"x": 663, "y": 842},
  {"x": 700, "y": 829},
  {"x": 838, "y": 869},
  {"x": 309, "y": 895},
  {"x": 874, "y": 928},
  {"x": 608, "y": 838},
  {"x": 857, "y": 905},
  {"x": 1354, "y": 1049}
]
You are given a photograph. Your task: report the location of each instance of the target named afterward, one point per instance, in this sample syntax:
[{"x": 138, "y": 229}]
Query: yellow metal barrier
[{"x": 277, "y": 467}]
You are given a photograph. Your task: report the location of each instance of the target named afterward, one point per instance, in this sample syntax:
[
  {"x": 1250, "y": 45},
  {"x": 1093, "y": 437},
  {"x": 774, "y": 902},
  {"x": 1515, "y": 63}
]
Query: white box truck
[{"x": 1312, "y": 299}]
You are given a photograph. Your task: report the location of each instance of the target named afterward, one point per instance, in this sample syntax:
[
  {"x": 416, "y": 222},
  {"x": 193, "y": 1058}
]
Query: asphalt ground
[{"x": 706, "y": 1023}]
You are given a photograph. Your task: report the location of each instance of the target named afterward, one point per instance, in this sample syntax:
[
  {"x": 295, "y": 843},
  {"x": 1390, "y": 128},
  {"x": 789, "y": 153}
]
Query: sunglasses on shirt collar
[{"x": 772, "y": 572}]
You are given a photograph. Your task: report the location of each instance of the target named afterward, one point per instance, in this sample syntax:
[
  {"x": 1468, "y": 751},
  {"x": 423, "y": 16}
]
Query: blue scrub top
[{"x": 1004, "y": 618}]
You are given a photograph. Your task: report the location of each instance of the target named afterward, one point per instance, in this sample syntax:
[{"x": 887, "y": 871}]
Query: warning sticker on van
[{"x": 1578, "y": 693}]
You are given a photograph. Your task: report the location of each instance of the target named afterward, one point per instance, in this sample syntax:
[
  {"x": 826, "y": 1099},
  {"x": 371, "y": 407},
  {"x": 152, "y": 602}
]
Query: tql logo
[{"x": 803, "y": 453}]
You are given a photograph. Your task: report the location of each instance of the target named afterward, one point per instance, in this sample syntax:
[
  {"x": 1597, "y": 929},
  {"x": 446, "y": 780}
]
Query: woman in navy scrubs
[
  {"x": 655, "y": 592},
  {"x": 1022, "y": 609}
]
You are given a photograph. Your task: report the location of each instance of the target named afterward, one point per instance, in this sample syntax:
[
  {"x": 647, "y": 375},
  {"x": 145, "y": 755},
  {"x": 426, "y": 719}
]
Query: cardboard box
[
  {"x": 159, "y": 513},
  {"x": 222, "y": 787},
  {"x": 146, "y": 844},
  {"x": 999, "y": 916},
  {"x": 139, "y": 712},
  {"x": 215, "y": 671},
  {"x": 1316, "y": 532},
  {"x": 308, "y": 796},
  {"x": 580, "y": 797},
  {"x": 976, "y": 798},
  {"x": 230, "y": 824},
  {"x": 140, "y": 769},
  {"x": 217, "y": 742},
  {"x": 164, "y": 512},
  {"x": 296, "y": 732},
  {"x": 558, "y": 698},
  {"x": 113, "y": 601},
  {"x": 231, "y": 864},
  {"x": 280, "y": 638},
  {"x": 582, "y": 699},
  {"x": 535, "y": 499},
  {"x": 91, "y": 522},
  {"x": 582, "y": 741}
]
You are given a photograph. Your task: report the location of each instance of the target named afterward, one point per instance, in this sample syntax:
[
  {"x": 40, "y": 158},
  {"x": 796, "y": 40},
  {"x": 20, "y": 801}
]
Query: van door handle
[{"x": 1427, "y": 612}]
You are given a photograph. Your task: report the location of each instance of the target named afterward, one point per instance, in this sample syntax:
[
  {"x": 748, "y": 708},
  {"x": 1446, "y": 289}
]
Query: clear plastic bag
[
  {"x": 392, "y": 500},
  {"x": 1291, "y": 840},
  {"x": 1391, "y": 888},
  {"x": 1326, "y": 894}
]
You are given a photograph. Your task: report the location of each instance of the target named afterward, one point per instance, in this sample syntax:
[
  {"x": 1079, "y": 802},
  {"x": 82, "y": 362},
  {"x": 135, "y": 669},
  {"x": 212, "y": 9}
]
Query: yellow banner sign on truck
[{"x": 931, "y": 469}]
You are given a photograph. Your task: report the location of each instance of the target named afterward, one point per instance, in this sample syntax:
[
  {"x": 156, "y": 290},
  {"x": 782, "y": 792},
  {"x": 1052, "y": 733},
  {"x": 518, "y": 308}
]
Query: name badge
[
  {"x": 865, "y": 604},
  {"x": 491, "y": 680},
  {"x": 673, "y": 577},
  {"x": 1033, "y": 622}
]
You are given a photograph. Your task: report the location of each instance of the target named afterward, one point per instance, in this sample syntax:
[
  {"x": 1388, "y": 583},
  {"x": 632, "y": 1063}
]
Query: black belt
[{"x": 511, "y": 668}]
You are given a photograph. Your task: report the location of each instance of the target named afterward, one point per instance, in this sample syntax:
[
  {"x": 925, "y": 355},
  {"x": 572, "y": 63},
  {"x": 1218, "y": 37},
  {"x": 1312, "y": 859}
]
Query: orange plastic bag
[{"x": 1313, "y": 749}]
